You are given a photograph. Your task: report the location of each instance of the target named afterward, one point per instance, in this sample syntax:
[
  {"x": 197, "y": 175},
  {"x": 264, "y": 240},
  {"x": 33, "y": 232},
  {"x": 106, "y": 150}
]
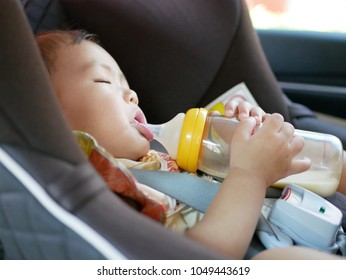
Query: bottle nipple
[{"x": 168, "y": 134}]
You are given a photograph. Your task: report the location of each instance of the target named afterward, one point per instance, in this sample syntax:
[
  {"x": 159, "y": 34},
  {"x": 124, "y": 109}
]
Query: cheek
[
  {"x": 102, "y": 118},
  {"x": 76, "y": 112},
  {"x": 71, "y": 102},
  {"x": 83, "y": 109}
]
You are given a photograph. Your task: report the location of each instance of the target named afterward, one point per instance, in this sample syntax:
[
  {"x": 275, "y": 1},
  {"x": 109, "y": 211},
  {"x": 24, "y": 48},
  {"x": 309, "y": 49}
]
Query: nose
[{"x": 131, "y": 96}]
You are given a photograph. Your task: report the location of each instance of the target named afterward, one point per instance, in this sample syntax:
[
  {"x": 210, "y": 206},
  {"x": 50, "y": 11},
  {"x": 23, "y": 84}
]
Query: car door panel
[{"x": 310, "y": 67}]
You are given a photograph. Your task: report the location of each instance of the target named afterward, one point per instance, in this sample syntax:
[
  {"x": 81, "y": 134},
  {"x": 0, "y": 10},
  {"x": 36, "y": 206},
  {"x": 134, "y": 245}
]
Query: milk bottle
[{"x": 199, "y": 141}]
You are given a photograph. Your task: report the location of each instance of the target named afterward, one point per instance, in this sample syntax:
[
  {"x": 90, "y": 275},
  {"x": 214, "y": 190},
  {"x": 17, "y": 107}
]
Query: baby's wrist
[{"x": 249, "y": 175}]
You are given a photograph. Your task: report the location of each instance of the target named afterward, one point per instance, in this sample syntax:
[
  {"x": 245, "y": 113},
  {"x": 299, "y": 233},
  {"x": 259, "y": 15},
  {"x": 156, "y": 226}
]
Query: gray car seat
[
  {"x": 137, "y": 53},
  {"x": 53, "y": 204}
]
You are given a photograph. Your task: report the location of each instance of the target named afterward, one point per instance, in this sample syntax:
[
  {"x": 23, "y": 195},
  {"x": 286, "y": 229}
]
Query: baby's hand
[
  {"x": 270, "y": 152},
  {"x": 239, "y": 108}
]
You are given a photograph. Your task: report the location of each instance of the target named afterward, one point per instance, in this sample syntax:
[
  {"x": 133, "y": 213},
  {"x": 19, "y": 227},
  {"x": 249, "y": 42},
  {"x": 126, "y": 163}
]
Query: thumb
[{"x": 299, "y": 165}]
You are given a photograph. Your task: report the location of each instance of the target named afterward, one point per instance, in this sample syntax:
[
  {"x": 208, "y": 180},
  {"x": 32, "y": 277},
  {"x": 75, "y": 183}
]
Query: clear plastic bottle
[{"x": 200, "y": 142}]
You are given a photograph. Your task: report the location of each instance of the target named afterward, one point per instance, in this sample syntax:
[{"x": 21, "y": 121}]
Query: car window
[{"x": 312, "y": 15}]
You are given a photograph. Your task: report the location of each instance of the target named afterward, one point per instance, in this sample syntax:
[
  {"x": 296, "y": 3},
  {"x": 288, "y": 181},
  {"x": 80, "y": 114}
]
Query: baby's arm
[{"x": 256, "y": 162}]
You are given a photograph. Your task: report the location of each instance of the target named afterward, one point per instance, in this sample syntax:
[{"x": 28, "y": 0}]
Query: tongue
[{"x": 145, "y": 131}]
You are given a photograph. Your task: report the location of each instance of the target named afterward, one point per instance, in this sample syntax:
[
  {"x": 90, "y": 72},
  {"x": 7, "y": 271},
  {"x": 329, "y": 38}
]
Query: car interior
[
  {"x": 319, "y": 82},
  {"x": 176, "y": 55}
]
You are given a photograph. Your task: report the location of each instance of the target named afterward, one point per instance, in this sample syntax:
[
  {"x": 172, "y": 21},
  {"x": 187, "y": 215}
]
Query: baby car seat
[{"x": 53, "y": 204}]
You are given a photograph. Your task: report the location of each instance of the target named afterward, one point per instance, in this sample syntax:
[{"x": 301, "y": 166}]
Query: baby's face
[{"x": 95, "y": 97}]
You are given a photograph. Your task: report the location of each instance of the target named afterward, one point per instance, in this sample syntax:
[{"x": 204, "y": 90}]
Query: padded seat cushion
[
  {"x": 31, "y": 232},
  {"x": 44, "y": 14}
]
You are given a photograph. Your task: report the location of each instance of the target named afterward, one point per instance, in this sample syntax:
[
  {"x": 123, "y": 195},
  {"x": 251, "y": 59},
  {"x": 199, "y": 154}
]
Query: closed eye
[{"x": 102, "y": 81}]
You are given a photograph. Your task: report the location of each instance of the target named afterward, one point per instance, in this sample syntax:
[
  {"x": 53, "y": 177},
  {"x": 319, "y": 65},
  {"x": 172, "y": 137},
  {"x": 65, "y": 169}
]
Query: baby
[{"x": 96, "y": 98}]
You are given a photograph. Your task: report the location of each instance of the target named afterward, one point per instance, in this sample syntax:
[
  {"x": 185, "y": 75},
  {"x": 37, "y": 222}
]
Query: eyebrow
[
  {"x": 92, "y": 63},
  {"x": 109, "y": 69}
]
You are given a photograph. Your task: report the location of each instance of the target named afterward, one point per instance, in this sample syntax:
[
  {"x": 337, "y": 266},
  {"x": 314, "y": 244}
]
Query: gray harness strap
[{"x": 188, "y": 189}]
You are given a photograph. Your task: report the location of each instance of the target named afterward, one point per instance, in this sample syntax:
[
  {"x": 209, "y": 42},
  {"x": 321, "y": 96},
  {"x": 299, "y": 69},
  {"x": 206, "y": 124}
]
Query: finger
[
  {"x": 287, "y": 130},
  {"x": 214, "y": 113},
  {"x": 272, "y": 122},
  {"x": 258, "y": 114},
  {"x": 244, "y": 109},
  {"x": 244, "y": 129},
  {"x": 266, "y": 115},
  {"x": 299, "y": 166},
  {"x": 231, "y": 108},
  {"x": 297, "y": 144}
]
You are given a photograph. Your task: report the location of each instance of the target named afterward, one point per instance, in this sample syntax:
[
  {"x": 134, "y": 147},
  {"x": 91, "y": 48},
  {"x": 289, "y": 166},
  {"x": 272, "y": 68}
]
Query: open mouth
[{"x": 140, "y": 123}]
